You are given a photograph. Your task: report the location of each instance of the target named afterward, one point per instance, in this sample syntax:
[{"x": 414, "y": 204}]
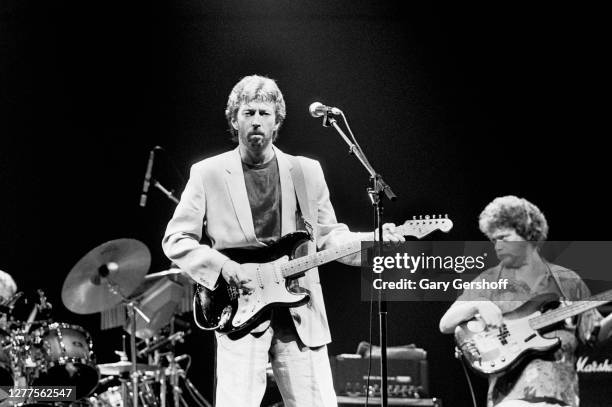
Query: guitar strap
[
  {"x": 557, "y": 282},
  {"x": 303, "y": 214}
]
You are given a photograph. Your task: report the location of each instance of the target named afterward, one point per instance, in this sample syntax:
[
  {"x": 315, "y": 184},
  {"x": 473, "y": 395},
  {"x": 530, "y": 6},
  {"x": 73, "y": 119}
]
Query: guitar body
[
  {"x": 275, "y": 269},
  {"x": 493, "y": 350},
  {"x": 227, "y": 310}
]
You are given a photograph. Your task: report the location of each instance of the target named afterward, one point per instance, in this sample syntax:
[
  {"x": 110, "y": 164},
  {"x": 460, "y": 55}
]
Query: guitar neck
[
  {"x": 578, "y": 307},
  {"x": 295, "y": 268}
]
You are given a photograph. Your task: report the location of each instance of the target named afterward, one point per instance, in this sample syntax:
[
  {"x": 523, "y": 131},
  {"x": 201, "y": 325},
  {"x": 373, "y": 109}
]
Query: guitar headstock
[{"x": 424, "y": 225}]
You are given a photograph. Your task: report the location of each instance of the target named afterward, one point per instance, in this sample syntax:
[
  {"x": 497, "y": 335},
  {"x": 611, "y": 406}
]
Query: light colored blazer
[{"x": 215, "y": 201}]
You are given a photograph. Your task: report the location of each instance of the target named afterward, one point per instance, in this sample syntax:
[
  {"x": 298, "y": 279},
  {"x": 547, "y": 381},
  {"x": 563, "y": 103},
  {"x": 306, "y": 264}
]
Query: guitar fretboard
[
  {"x": 578, "y": 307},
  {"x": 298, "y": 266},
  {"x": 417, "y": 228}
]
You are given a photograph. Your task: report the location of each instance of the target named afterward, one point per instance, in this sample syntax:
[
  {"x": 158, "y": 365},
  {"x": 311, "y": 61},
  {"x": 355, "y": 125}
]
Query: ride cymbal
[{"x": 105, "y": 276}]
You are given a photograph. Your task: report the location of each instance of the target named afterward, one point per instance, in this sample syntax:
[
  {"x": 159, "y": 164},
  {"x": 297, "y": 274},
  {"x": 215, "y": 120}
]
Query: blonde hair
[{"x": 255, "y": 88}]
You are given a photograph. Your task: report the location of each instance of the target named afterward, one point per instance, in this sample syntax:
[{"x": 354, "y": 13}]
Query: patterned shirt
[{"x": 552, "y": 377}]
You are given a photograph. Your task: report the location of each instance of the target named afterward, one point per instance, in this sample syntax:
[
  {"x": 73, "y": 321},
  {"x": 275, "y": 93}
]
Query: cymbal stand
[
  {"x": 132, "y": 310},
  {"x": 162, "y": 388},
  {"x": 175, "y": 373},
  {"x": 174, "y": 369},
  {"x": 132, "y": 306}
]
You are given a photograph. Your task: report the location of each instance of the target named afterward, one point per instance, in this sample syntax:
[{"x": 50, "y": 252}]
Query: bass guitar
[
  {"x": 227, "y": 310},
  {"x": 494, "y": 350}
]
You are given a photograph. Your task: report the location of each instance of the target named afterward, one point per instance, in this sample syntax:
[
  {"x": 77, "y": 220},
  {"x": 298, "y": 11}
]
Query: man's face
[
  {"x": 511, "y": 249},
  {"x": 256, "y": 124}
]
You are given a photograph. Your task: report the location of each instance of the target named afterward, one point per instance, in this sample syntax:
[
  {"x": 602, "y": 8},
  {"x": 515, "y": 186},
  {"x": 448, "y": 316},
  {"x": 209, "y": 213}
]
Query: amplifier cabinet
[
  {"x": 594, "y": 366},
  {"x": 405, "y": 378}
]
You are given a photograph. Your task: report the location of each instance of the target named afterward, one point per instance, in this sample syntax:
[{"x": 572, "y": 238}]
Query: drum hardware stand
[
  {"x": 177, "y": 336},
  {"x": 174, "y": 370},
  {"x": 175, "y": 373},
  {"x": 132, "y": 310},
  {"x": 132, "y": 306},
  {"x": 195, "y": 391}
]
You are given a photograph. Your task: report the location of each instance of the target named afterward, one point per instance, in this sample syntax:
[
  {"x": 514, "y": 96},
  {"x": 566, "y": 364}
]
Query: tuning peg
[
  {"x": 446, "y": 215},
  {"x": 413, "y": 217},
  {"x": 420, "y": 217},
  {"x": 426, "y": 216}
]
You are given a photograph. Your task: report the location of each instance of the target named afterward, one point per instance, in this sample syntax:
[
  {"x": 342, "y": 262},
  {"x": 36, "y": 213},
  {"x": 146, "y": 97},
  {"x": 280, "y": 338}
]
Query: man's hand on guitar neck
[
  {"x": 236, "y": 276},
  {"x": 390, "y": 233}
]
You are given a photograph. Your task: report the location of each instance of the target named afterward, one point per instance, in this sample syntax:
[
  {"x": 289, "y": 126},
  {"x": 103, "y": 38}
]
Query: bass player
[{"x": 517, "y": 228}]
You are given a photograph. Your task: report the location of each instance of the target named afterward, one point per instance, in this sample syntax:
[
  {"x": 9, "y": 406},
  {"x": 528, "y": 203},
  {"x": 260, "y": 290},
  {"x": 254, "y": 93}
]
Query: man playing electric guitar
[
  {"x": 249, "y": 197},
  {"x": 517, "y": 227}
]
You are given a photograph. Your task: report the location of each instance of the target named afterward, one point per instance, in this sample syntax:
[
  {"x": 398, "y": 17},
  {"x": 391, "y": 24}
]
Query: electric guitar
[
  {"x": 493, "y": 350},
  {"x": 227, "y": 310}
]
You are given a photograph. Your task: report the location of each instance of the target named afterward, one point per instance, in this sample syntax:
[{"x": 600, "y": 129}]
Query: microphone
[
  {"x": 147, "y": 178},
  {"x": 318, "y": 109}
]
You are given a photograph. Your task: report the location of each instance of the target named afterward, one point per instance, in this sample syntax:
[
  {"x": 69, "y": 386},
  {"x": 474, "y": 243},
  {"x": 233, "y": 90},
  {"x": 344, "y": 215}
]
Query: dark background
[{"x": 454, "y": 105}]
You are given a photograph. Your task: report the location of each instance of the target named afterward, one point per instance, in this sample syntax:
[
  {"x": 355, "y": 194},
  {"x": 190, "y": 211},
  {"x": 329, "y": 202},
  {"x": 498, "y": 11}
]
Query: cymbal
[
  {"x": 106, "y": 275},
  {"x": 116, "y": 368}
]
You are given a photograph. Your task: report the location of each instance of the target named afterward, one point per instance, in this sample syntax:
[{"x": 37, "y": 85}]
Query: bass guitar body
[{"x": 494, "y": 350}]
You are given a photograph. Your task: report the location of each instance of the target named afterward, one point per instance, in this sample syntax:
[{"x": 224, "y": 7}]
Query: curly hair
[
  {"x": 511, "y": 212},
  {"x": 255, "y": 88}
]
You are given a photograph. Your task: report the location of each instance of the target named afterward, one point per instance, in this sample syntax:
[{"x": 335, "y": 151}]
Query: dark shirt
[{"x": 263, "y": 189}]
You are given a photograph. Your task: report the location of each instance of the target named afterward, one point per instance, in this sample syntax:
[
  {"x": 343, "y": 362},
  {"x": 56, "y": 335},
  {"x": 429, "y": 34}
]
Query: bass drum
[{"x": 68, "y": 359}]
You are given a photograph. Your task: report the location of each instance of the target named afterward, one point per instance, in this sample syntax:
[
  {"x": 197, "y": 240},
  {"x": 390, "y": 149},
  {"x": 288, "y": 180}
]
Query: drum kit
[{"x": 112, "y": 280}]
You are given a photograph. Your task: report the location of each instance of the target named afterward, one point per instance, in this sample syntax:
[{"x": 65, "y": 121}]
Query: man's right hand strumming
[
  {"x": 462, "y": 311},
  {"x": 489, "y": 312},
  {"x": 238, "y": 277}
]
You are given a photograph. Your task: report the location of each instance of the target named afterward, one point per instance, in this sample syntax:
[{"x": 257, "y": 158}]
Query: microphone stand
[
  {"x": 164, "y": 191},
  {"x": 375, "y": 193}
]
